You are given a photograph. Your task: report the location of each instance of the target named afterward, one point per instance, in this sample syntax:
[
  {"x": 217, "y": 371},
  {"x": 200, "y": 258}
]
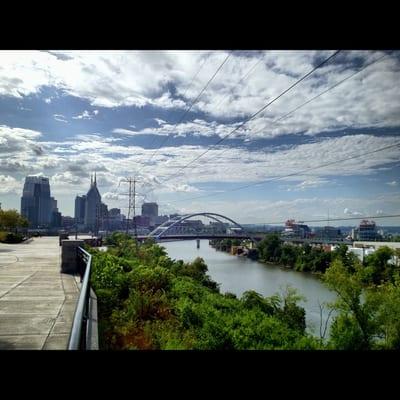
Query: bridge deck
[{"x": 37, "y": 302}]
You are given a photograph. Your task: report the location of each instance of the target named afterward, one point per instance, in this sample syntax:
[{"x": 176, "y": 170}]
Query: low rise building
[{"x": 296, "y": 230}]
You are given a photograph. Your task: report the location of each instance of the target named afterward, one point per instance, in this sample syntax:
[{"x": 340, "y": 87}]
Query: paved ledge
[{"x": 37, "y": 302}]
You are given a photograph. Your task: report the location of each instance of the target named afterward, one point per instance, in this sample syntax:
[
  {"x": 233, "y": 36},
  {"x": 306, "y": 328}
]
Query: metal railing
[{"x": 80, "y": 327}]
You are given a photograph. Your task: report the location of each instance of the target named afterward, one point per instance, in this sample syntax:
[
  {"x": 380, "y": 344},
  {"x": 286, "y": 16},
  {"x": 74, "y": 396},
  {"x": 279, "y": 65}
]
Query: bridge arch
[{"x": 166, "y": 226}]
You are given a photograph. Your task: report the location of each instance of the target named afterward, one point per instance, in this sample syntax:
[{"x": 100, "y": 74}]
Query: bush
[
  {"x": 10, "y": 237},
  {"x": 148, "y": 301}
]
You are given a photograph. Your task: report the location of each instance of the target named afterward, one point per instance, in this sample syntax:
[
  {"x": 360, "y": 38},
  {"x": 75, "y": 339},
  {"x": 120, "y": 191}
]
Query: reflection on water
[{"x": 238, "y": 274}]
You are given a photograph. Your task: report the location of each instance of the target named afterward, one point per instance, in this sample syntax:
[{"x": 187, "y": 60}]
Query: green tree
[
  {"x": 11, "y": 220},
  {"x": 291, "y": 313},
  {"x": 347, "y": 258},
  {"x": 378, "y": 267},
  {"x": 386, "y": 299},
  {"x": 355, "y": 317},
  {"x": 288, "y": 255},
  {"x": 270, "y": 248}
]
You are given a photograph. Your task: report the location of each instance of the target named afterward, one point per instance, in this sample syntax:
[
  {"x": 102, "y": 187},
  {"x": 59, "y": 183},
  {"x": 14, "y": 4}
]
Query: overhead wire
[
  {"x": 254, "y": 115},
  {"x": 192, "y": 103},
  {"x": 334, "y": 219},
  {"x": 292, "y": 174},
  {"x": 311, "y": 99}
]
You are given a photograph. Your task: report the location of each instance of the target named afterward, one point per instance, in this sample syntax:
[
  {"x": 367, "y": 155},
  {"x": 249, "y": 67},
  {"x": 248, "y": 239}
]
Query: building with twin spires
[
  {"x": 90, "y": 212},
  {"x": 92, "y": 206}
]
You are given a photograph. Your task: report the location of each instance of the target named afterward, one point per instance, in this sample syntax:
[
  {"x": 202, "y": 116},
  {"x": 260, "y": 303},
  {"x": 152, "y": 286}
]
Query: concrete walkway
[{"x": 37, "y": 302}]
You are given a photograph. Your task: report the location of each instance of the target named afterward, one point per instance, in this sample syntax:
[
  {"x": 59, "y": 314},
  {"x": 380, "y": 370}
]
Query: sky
[{"x": 152, "y": 115}]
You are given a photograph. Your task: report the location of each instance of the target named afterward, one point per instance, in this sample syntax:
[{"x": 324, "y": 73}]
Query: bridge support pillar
[{"x": 198, "y": 243}]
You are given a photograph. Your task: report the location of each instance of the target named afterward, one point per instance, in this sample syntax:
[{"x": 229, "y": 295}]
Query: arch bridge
[{"x": 167, "y": 231}]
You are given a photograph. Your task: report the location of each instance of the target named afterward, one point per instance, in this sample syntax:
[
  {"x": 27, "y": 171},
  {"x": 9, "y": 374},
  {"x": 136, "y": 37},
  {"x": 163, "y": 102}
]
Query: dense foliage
[
  {"x": 10, "y": 221},
  {"x": 148, "y": 301},
  {"x": 225, "y": 244},
  {"x": 301, "y": 258},
  {"x": 368, "y": 302}
]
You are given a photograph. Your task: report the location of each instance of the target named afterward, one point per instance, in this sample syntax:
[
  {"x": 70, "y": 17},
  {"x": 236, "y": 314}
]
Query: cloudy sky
[{"x": 66, "y": 114}]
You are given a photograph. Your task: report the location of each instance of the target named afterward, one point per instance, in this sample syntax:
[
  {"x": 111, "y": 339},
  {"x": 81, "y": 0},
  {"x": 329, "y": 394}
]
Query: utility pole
[
  {"x": 134, "y": 209},
  {"x": 131, "y": 204},
  {"x": 129, "y": 180},
  {"x": 132, "y": 194}
]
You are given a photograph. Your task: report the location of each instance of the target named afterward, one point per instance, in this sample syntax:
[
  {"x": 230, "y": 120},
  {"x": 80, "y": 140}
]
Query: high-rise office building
[
  {"x": 93, "y": 207},
  {"x": 150, "y": 210},
  {"x": 36, "y": 204},
  {"x": 80, "y": 205}
]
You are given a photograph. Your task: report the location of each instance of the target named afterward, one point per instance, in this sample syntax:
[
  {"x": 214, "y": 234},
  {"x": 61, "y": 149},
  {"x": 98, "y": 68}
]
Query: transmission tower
[{"x": 131, "y": 204}]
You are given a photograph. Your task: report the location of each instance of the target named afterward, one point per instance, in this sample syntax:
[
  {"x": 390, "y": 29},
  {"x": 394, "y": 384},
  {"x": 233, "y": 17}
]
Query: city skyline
[{"x": 66, "y": 114}]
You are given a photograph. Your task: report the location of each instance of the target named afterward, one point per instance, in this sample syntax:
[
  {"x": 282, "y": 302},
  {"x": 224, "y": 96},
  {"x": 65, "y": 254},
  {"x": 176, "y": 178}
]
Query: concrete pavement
[{"x": 37, "y": 301}]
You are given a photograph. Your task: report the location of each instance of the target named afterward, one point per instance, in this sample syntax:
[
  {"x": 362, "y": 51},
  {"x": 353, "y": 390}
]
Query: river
[{"x": 238, "y": 274}]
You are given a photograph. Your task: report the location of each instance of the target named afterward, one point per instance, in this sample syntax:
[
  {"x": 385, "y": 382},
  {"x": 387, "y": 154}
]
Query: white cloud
[
  {"x": 308, "y": 184},
  {"x": 70, "y": 162},
  {"x": 392, "y": 183},
  {"x": 112, "y": 196},
  {"x": 60, "y": 117},
  {"x": 300, "y": 209},
  {"x": 197, "y": 127},
  {"x": 47, "y": 100},
  {"x": 9, "y": 184},
  {"x": 349, "y": 212},
  {"x": 230, "y": 164},
  {"x": 124, "y": 78},
  {"x": 18, "y": 140},
  {"x": 158, "y": 120},
  {"x": 86, "y": 115}
]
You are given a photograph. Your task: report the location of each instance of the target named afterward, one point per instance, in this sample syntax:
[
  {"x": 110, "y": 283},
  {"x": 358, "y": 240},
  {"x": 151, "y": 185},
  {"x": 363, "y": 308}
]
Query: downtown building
[
  {"x": 296, "y": 230},
  {"x": 80, "y": 205},
  {"x": 90, "y": 213},
  {"x": 150, "y": 210},
  {"x": 37, "y": 205},
  {"x": 366, "y": 231}
]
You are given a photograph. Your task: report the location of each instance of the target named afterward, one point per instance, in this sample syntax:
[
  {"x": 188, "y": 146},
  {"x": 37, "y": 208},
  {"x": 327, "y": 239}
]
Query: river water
[{"x": 238, "y": 274}]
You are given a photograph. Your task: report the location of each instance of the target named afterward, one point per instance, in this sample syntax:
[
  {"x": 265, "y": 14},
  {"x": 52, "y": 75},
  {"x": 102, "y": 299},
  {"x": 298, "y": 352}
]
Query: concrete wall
[{"x": 69, "y": 256}]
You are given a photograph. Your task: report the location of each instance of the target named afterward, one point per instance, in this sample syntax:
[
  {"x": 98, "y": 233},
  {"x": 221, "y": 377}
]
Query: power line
[
  {"x": 334, "y": 219},
  {"x": 131, "y": 205},
  {"x": 312, "y": 99},
  {"x": 187, "y": 88},
  {"x": 325, "y": 91},
  {"x": 254, "y": 115},
  {"x": 250, "y": 71},
  {"x": 192, "y": 104},
  {"x": 194, "y": 77},
  {"x": 292, "y": 174}
]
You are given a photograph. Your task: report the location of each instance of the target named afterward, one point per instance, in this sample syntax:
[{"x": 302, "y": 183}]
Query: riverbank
[
  {"x": 240, "y": 274},
  {"x": 316, "y": 273},
  {"x": 253, "y": 254},
  {"x": 300, "y": 258},
  {"x": 149, "y": 301}
]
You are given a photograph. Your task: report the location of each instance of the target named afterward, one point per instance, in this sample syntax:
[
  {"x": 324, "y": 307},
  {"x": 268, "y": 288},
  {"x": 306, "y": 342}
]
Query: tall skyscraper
[
  {"x": 80, "y": 205},
  {"x": 93, "y": 207},
  {"x": 36, "y": 204},
  {"x": 150, "y": 210}
]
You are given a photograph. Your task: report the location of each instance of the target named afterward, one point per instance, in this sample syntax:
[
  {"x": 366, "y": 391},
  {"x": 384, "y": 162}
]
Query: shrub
[{"x": 11, "y": 237}]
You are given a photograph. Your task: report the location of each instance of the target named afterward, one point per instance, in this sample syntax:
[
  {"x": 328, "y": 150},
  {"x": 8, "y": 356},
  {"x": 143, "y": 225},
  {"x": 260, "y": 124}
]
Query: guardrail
[{"x": 81, "y": 330}]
